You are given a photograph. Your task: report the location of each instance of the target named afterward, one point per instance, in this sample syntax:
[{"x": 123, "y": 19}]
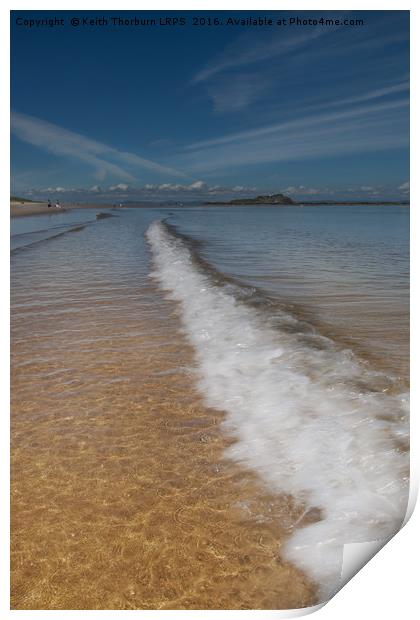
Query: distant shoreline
[
  {"x": 265, "y": 203},
  {"x": 357, "y": 202},
  {"x": 282, "y": 200},
  {"x": 313, "y": 204},
  {"x": 41, "y": 208}
]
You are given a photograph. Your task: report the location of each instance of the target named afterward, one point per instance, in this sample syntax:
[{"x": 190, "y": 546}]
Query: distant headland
[
  {"x": 268, "y": 199},
  {"x": 282, "y": 199}
]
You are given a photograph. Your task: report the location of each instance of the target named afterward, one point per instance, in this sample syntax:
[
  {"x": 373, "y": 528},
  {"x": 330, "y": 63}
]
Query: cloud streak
[
  {"x": 249, "y": 68},
  {"x": 244, "y": 51},
  {"x": 104, "y": 159},
  {"x": 364, "y": 128},
  {"x": 300, "y": 123}
]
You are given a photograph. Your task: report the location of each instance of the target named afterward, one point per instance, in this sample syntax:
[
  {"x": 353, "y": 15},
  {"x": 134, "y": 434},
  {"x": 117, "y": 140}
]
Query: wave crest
[{"x": 311, "y": 421}]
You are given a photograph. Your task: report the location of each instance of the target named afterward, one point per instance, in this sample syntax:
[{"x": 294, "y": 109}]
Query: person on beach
[{"x": 49, "y": 204}]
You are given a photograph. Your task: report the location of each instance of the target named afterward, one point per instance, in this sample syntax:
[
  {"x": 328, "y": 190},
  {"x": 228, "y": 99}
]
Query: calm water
[
  {"x": 346, "y": 268},
  {"x": 32, "y": 229},
  {"x": 240, "y": 371}
]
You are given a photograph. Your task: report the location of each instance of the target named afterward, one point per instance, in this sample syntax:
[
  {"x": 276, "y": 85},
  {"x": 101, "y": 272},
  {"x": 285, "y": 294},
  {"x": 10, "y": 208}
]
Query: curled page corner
[
  {"x": 356, "y": 555},
  {"x": 412, "y": 498},
  {"x": 290, "y": 613}
]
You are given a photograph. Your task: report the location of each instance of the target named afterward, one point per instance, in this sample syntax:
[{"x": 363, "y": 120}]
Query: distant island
[
  {"x": 269, "y": 199},
  {"x": 281, "y": 199}
]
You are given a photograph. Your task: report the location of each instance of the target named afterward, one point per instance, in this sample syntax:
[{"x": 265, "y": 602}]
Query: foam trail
[{"x": 299, "y": 413}]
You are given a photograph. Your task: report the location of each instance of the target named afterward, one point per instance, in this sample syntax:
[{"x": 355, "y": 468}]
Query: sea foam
[{"x": 308, "y": 419}]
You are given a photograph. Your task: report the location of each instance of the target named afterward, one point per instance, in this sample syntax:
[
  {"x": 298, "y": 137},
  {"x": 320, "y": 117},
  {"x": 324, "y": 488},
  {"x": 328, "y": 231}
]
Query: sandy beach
[
  {"x": 18, "y": 209},
  {"x": 133, "y": 506}
]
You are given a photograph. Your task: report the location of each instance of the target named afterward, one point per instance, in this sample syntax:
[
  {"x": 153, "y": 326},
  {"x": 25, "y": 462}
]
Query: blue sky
[{"x": 190, "y": 112}]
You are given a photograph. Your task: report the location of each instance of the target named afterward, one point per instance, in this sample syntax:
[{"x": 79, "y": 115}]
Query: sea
[{"x": 297, "y": 323}]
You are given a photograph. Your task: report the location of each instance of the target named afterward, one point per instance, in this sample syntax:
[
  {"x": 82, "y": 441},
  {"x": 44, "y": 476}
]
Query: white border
[{"x": 386, "y": 587}]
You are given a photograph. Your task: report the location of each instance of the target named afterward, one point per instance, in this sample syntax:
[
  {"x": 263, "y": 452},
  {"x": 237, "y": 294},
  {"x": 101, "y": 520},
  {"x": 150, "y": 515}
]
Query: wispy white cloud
[
  {"x": 231, "y": 93},
  {"x": 55, "y": 190},
  {"x": 247, "y": 69},
  {"x": 370, "y": 95},
  {"x": 104, "y": 159},
  {"x": 120, "y": 187},
  {"x": 248, "y": 50},
  {"x": 301, "y": 190},
  {"x": 365, "y": 128},
  {"x": 254, "y": 63},
  {"x": 300, "y": 123}
]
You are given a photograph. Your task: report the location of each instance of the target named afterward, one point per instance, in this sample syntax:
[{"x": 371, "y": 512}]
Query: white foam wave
[{"x": 299, "y": 419}]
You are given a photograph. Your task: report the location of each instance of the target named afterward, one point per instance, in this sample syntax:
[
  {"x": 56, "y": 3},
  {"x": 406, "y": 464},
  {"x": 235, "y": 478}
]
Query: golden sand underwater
[{"x": 121, "y": 497}]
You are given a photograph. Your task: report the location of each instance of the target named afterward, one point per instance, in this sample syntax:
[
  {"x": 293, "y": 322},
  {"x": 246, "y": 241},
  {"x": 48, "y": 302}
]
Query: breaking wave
[{"x": 309, "y": 417}]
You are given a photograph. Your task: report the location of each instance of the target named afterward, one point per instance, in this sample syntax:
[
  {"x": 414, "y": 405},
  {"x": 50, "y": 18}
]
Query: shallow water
[
  {"x": 33, "y": 229},
  {"x": 312, "y": 418},
  {"x": 345, "y": 268},
  {"x": 171, "y": 435}
]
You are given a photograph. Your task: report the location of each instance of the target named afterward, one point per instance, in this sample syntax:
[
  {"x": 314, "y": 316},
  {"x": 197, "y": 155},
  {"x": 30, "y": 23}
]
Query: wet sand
[
  {"x": 121, "y": 496},
  {"x": 18, "y": 209}
]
